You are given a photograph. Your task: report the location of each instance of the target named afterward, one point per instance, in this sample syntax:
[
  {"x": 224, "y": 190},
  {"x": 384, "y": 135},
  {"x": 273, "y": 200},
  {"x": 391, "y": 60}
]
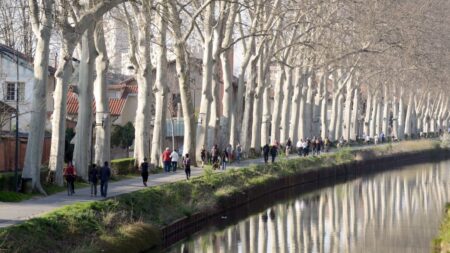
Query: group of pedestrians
[
  {"x": 220, "y": 159},
  {"x": 95, "y": 174},
  {"x": 170, "y": 161},
  {"x": 314, "y": 146}
]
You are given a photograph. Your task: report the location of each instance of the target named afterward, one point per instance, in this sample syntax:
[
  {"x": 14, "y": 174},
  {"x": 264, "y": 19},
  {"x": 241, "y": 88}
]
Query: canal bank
[{"x": 132, "y": 222}]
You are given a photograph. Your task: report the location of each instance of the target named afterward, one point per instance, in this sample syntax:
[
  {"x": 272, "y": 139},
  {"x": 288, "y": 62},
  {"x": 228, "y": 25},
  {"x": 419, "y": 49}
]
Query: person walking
[
  {"x": 70, "y": 174},
  {"x": 266, "y": 150},
  {"x": 229, "y": 150},
  {"x": 166, "y": 159},
  {"x": 93, "y": 179},
  {"x": 288, "y": 147},
  {"x": 299, "y": 147},
  {"x": 274, "y": 152},
  {"x": 105, "y": 174},
  {"x": 238, "y": 152},
  {"x": 203, "y": 155},
  {"x": 225, "y": 158},
  {"x": 215, "y": 154},
  {"x": 327, "y": 144},
  {"x": 144, "y": 171},
  {"x": 187, "y": 166},
  {"x": 174, "y": 158}
]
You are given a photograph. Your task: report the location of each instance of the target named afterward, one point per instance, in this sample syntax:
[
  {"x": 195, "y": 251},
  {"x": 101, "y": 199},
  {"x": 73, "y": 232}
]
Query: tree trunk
[
  {"x": 368, "y": 112},
  {"x": 266, "y": 118},
  {"x": 182, "y": 67},
  {"x": 293, "y": 125},
  {"x": 33, "y": 155},
  {"x": 83, "y": 133},
  {"x": 334, "y": 116},
  {"x": 324, "y": 108},
  {"x": 408, "y": 118},
  {"x": 385, "y": 116},
  {"x": 257, "y": 106},
  {"x": 355, "y": 119},
  {"x": 248, "y": 108},
  {"x": 339, "y": 121},
  {"x": 373, "y": 117},
  {"x": 347, "y": 110},
  {"x": 102, "y": 115},
  {"x": 286, "y": 106},
  {"x": 401, "y": 117},
  {"x": 207, "y": 72},
  {"x": 160, "y": 88},
  {"x": 309, "y": 103},
  {"x": 143, "y": 69},
  {"x": 277, "y": 103},
  {"x": 395, "y": 116},
  {"x": 63, "y": 74},
  {"x": 302, "y": 111}
]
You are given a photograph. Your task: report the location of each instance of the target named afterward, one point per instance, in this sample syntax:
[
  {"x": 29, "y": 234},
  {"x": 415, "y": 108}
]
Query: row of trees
[{"x": 339, "y": 68}]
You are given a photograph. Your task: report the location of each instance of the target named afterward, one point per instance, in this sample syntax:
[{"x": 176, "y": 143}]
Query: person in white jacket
[{"x": 174, "y": 156}]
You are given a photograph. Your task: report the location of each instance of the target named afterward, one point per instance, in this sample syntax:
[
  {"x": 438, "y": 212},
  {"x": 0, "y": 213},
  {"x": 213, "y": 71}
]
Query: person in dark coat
[
  {"x": 187, "y": 166},
  {"x": 273, "y": 152},
  {"x": 144, "y": 171},
  {"x": 93, "y": 179},
  {"x": 266, "y": 150},
  {"x": 105, "y": 174}
]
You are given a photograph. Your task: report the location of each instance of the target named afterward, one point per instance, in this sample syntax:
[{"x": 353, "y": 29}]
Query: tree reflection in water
[{"x": 397, "y": 211}]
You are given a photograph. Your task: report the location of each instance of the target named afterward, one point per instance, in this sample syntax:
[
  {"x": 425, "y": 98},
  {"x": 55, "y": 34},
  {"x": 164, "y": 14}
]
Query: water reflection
[{"x": 397, "y": 211}]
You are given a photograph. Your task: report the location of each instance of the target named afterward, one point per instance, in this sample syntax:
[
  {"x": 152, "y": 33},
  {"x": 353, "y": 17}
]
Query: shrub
[
  {"x": 123, "y": 166},
  {"x": 7, "y": 182}
]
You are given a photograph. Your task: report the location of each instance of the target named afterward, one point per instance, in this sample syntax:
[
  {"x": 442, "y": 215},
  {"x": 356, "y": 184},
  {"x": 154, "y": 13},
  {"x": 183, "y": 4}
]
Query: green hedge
[
  {"x": 123, "y": 166},
  {"x": 7, "y": 181}
]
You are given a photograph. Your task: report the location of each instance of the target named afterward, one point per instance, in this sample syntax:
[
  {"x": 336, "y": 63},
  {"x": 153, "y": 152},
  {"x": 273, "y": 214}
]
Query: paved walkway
[{"x": 14, "y": 213}]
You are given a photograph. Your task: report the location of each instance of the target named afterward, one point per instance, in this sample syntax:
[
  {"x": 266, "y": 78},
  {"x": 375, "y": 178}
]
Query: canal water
[{"x": 395, "y": 211}]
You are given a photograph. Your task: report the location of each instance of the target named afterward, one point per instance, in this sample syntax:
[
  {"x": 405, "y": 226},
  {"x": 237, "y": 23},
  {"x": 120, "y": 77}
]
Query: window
[{"x": 10, "y": 91}]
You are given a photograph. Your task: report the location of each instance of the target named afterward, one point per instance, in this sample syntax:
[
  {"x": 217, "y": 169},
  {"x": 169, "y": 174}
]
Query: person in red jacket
[
  {"x": 70, "y": 173},
  {"x": 166, "y": 159}
]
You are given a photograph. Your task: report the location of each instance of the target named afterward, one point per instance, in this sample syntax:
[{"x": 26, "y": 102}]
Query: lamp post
[{"x": 16, "y": 156}]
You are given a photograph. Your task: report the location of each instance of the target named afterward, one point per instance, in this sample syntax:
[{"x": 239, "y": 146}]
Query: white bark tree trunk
[
  {"x": 257, "y": 123},
  {"x": 386, "y": 111},
  {"x": 102, "y": 115},
  {"x": 42, "y": 27},
  {"x": 142, "y": 65},
  {"x": 160, "y": 87},
  {"x": 302, "y": 110},
  {"x": 340, "y": 115},
  {"x": 83, "y": 132},
  {"x": 347, "y": 110},
  {"x": 207, "y": 78},
  {"x": 324, "y": 108},
  {"x": 286, "y": 106},
  {"x": 355, "y": 126},
  {"x": 395, "y": 116},
  {"x": 227, "y": 123},
  {"x": 401, "y": 116},
  {"x": 248, "y": 108},
  {"x": 182, "y": 66},
  {"x": 408, "y": 118},
  {"x": 309, "y": 103},
  {"x": 368, "y": 112},
  {"x": 277, "y": 103},
  {"x": 293, "y": 125},
  {"x": 373, "y": 116}
]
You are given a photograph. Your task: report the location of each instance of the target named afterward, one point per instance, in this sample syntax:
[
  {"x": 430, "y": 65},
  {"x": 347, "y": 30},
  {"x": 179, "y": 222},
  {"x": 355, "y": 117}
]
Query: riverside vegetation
[{"x": 131, "y": 222}]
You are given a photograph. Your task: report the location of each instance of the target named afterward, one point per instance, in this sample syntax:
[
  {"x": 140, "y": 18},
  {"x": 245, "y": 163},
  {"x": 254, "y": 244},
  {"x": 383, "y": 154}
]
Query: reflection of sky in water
[{"x": 398, "y": 211}]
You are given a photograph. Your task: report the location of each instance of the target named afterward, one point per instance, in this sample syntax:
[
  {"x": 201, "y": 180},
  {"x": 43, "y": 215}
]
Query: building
[{"x": 16, "y": 81}]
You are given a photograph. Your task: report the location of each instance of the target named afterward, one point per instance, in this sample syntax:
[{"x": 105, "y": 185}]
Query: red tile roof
[{"x": 116, "y": 105}]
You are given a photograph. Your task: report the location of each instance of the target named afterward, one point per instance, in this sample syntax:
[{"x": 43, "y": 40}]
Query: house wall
[
  {"x": 8, "y": 69},
  {"x": 129, "y": 111}
]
